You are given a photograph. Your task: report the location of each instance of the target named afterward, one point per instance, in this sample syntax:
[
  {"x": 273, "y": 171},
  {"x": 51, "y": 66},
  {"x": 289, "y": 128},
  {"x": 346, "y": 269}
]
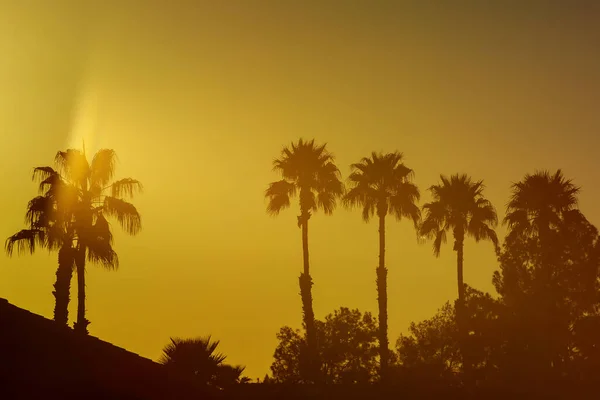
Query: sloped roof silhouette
[{"x": 42, "y": 359}]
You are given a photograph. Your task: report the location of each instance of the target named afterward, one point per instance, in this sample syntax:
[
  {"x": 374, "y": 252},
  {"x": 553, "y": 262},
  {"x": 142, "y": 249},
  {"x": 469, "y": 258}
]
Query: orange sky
[{"x": 198, "y": 97}]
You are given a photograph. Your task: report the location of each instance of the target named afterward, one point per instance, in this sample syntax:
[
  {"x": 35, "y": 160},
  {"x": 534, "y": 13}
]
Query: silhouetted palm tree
[
  {"x": 539, "y": 203},
  {"x": 309, "y": 171},
  {"x": 48, "y": 228},
  {"x": 459, "y": 206},
  {"x": 382, "y": 185},
  {"x": 80, "y": 195},
  {"x": 197, "y": 357}
]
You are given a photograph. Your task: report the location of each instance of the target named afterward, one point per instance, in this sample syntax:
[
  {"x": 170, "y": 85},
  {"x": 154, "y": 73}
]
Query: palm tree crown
[
  {"x": 459, "y": 206},
  {"x": 192, "y": 355},
  {"x": 87, "y": 196},
  {"x": 309, "y": 169},
  {"x": 382, "y": 184},
  {"x": 197, "y": 357},
  {"x": 539, "y": 202}
]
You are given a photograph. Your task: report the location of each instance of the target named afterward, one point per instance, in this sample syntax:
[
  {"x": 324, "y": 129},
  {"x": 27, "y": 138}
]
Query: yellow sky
[{"x": 197, "y": 98}]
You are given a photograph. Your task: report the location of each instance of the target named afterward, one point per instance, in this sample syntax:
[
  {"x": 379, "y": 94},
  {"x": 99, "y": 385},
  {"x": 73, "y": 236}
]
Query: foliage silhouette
[
  {"x": 197, "y": 357},
  {"x": 514, "y": 342},
  {"x": 548, "y": 279},
  {"x": 49, "y": 228},
  {"x": 539, "y": 202},
  {"x": 77, "y": 196},
  {"x": 540, "y": 333},
  {"x": 432, "y": 351},
  {"x": 347, "y": 349},
  {"x": 382, "y": 185},
  {"x": 432, "y": 346},
  {"x": 308, "y": 170},
  {"x": 459, "y": 206}
]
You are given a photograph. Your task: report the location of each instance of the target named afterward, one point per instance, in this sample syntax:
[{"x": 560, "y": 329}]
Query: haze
[{"x": 197, "y": 98}]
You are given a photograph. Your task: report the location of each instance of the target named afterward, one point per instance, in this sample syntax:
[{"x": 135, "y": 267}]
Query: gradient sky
[{"x": 197, "y": 98}]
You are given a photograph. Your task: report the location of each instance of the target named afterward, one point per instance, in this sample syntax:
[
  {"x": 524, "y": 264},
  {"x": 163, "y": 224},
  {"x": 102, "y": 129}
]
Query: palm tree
[
  {"x": 85, "y": 195},
  {"x": 459, "y": 206},
  {"x": 197, "y": 357},
  {"x": 541, "y": 206},
  {"x": 537, "y": 207},
  {"x": 98, "y": 197},
  {"x": 308, "y": 170},
  {"x": 48, "y": 228},
  {"x": 382, "y": 184},
  {"x": 539, "y": 203}
]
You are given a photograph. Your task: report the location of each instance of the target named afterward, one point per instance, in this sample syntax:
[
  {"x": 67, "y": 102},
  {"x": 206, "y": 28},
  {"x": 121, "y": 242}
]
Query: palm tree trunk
[
  {"x": 459, "y": 272},
  {"x": 382, "y": 301},
  {"x": 460, "y": 305},
  {"x": 82, "y": 323},
  {"x": 307, "y": 308},
  {"x": 62, "y": 286}
]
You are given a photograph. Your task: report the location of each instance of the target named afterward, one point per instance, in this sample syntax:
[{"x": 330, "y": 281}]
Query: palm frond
[
  {"x": 192, "y": 355},
  {"x": 329, "y": 188},
  {"x": 100, "y": 251},
  {"x": 279, "y": 194},
  {"x": 440, "y": 238},
  {"x": 103, "y": 167},
  {"x": 56, "y": 236},
  {"x": 360, "y": 194},
  {"x": 326, "y": 201},
  {"x": 98, "y": 239},
  {"x": 25, "y": 240},
  {"x": 435, "y": 218},
  {"x": 43, "y": 173},
  {"x": 101, "y": 227},
  {"x": 38, "y": 211},
  {"x": 407, "y": 210},
  {"x": 52, "y": 184},
  {"x": 126, "y": 187},
  {"x": 484, "y": 232},
  {"x": 125, "y": 213},
  {"x": 402, "y": 203},
  {"x": 73, "y": 165}
]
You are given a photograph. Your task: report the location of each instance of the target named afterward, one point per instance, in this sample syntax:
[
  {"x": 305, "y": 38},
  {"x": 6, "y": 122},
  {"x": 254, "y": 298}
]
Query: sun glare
[{"x": 84, "y": 123}]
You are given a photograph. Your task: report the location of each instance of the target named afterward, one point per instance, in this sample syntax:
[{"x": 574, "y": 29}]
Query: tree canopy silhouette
[
  {"x": 432, "y": 345},
  {"x": 308, "y": 170},
  {"x": 347, "y": 349},
  {"x": 382, "y": 185}
]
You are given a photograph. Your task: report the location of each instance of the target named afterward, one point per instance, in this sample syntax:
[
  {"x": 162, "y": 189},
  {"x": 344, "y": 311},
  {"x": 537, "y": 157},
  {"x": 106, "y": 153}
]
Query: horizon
[{"x": 198, "y": 100}]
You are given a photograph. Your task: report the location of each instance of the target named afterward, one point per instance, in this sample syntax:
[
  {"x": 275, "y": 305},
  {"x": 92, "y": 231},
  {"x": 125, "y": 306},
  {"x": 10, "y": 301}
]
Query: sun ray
[{"x": 83, "y": 134}]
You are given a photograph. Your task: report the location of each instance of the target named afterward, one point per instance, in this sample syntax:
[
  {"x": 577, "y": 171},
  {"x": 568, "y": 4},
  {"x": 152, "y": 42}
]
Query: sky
[{"x": 198, "y": 97}]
